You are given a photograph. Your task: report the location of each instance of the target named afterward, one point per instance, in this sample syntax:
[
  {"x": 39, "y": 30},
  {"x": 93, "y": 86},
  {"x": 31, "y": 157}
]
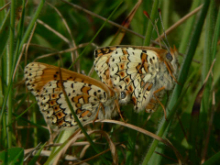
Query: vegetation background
[{"x": 38, "y": 30}]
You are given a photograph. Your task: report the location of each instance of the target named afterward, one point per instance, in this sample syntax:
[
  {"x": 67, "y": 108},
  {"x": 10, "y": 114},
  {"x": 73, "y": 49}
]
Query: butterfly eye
[
  {"x": 169, "y": 57},
  {"x": 123, "y": 95}
]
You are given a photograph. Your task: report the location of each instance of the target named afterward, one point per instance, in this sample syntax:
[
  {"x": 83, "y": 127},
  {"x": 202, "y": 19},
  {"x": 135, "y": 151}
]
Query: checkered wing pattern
[
  {"x": 138, "y": 70},
  {"x": 89, "y": 97}
]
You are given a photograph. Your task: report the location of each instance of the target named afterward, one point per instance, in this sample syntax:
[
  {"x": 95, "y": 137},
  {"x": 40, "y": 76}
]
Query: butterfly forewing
[{"x": 87, "y": 95}]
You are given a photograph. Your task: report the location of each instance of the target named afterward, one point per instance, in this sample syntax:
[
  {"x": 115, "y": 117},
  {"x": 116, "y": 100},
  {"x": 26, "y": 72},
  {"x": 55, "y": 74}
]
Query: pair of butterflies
[{"x": 129, "y": 74}]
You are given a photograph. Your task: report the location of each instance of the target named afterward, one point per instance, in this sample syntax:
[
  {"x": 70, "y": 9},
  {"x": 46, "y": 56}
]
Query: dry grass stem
[
  {"x": 5, "y": 6},
  {"x": 170, "y": 29},
  {"x": 54, "y": 31},
  {"x": 62, "y": 51},
  {"x": 102, "y": 18},
  {"x": 72, "y": 43}
]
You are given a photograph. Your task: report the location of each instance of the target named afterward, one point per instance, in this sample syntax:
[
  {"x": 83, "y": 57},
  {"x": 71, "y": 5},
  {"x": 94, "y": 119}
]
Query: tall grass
[{"x": 192, "y": 107}]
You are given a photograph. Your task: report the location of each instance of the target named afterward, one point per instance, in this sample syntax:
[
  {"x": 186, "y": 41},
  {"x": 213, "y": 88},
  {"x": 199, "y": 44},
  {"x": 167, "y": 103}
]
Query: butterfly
[
  {"x": 90, "y": 98},
  {"x": 144, "y": 73}
]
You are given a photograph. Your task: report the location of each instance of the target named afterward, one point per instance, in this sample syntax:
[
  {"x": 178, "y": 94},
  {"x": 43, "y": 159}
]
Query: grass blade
[
  {"x": 154, "y": 11},
  {"x": 188, "y": 29},
  {"x": 24, "y": 39},
  {"x": 181, "y": 79},
  {"x": 4, "y": 33},
  {"x": 213, "y": 160},
  {"x": 103, "y": 25}
]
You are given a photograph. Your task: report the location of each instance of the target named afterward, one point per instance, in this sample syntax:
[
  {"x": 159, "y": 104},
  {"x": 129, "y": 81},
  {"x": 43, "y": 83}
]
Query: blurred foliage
[{"x": 133, "y": 145}]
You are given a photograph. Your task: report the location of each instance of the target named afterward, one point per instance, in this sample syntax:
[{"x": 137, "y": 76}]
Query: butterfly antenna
[
  {"x": 167, "y": 43},
  {"x": 155, "y": 27}
]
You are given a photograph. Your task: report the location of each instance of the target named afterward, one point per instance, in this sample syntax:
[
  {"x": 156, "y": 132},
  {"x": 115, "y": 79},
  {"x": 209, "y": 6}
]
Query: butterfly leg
[
  {"x": 100, "y": 106},
  {"x": 118, "y": 109},
  {"x": 52, "y": 137},
  {"x": 169, "y": 70},
  {"x": 158, "y": 90}
]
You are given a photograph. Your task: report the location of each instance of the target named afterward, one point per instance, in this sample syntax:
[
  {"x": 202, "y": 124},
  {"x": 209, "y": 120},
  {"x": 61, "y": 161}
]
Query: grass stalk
[
  {"x": 31, "y": 25},
  {"x": 5, "y": 21},
  {"x": 188, "y": 28},
  {"x": 213, "y": 44},
  {"x": 181, "y": 79},
  {"x": 34, "y": 117},
  {"x": 207, "y": 60},
  {"x": 165, "y": 13},
  {"x": 153, "y": 14},
  {"x": 4, "y": 33},
  {"x": 125, "y": 140},
  {"x": 103, "y": 25},
  {"x": 9, "y": 70},
  {"x": 216, "y": 35},
  {"x": 213, "y": 160},
  {"x": 24, "y": 39}
]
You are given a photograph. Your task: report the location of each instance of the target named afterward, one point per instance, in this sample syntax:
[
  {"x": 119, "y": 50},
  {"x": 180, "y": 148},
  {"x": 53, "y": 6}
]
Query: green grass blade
[
  {"x": 206, "y": 100},
  {"x": 215, "y": 43},
  {"x": 4, "y": 33},
  {"x": 193, "y": 131},
  {"x": 181, "y": 79},
  {"x": 188, "y": 28},
  {"x": 212, "y": 35},
  {"x": 165, "y": 13},
  {"x": 9, "y": 70},
  {"x": 31, "y": 25},
  {"x": 213, "y": 160},
  {"x": 53, "y": 155},
  {"x": 207, "y": 60},
  {"x": 24, "y": 39},
  {"x": 15, "y": 156},
  {"x": 103, "y": 25},
  {"x": 20, "y": 32},
  {"x": 10, "y": 58},
  {"x": 153, "y": 14},
  {"x": 36, "y": 156},
  {"x": 216, "y": 35},
  {"x": 20, "y": 115}
]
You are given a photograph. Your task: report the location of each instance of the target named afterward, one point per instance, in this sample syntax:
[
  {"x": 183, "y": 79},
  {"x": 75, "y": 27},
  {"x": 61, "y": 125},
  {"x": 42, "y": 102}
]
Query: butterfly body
[
  {"x": 139, "y": 70},
  {"x": 88, "y": 96}
]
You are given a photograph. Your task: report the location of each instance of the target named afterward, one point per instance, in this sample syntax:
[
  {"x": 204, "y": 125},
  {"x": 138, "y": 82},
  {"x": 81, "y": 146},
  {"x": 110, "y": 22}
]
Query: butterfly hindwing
[{"x": 85, "y": 94}]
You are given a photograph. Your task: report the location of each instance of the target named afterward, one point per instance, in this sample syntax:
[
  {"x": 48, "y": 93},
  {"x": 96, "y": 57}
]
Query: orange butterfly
[
  {"x": 90, "y": 98},
  {"x": 143, "y": 72}
]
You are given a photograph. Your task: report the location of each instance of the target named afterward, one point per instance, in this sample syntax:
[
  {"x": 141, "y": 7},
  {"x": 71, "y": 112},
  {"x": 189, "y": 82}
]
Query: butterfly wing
[
  {"x": 87, "y": 95},
  {"x": 128, "y": 68}
]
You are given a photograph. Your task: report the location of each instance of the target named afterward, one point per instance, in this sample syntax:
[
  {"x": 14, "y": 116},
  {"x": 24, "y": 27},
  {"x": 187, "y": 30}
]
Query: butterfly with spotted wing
[
  {"x": 90, "y": 98},
  {"x": 142, "y": 72}
]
